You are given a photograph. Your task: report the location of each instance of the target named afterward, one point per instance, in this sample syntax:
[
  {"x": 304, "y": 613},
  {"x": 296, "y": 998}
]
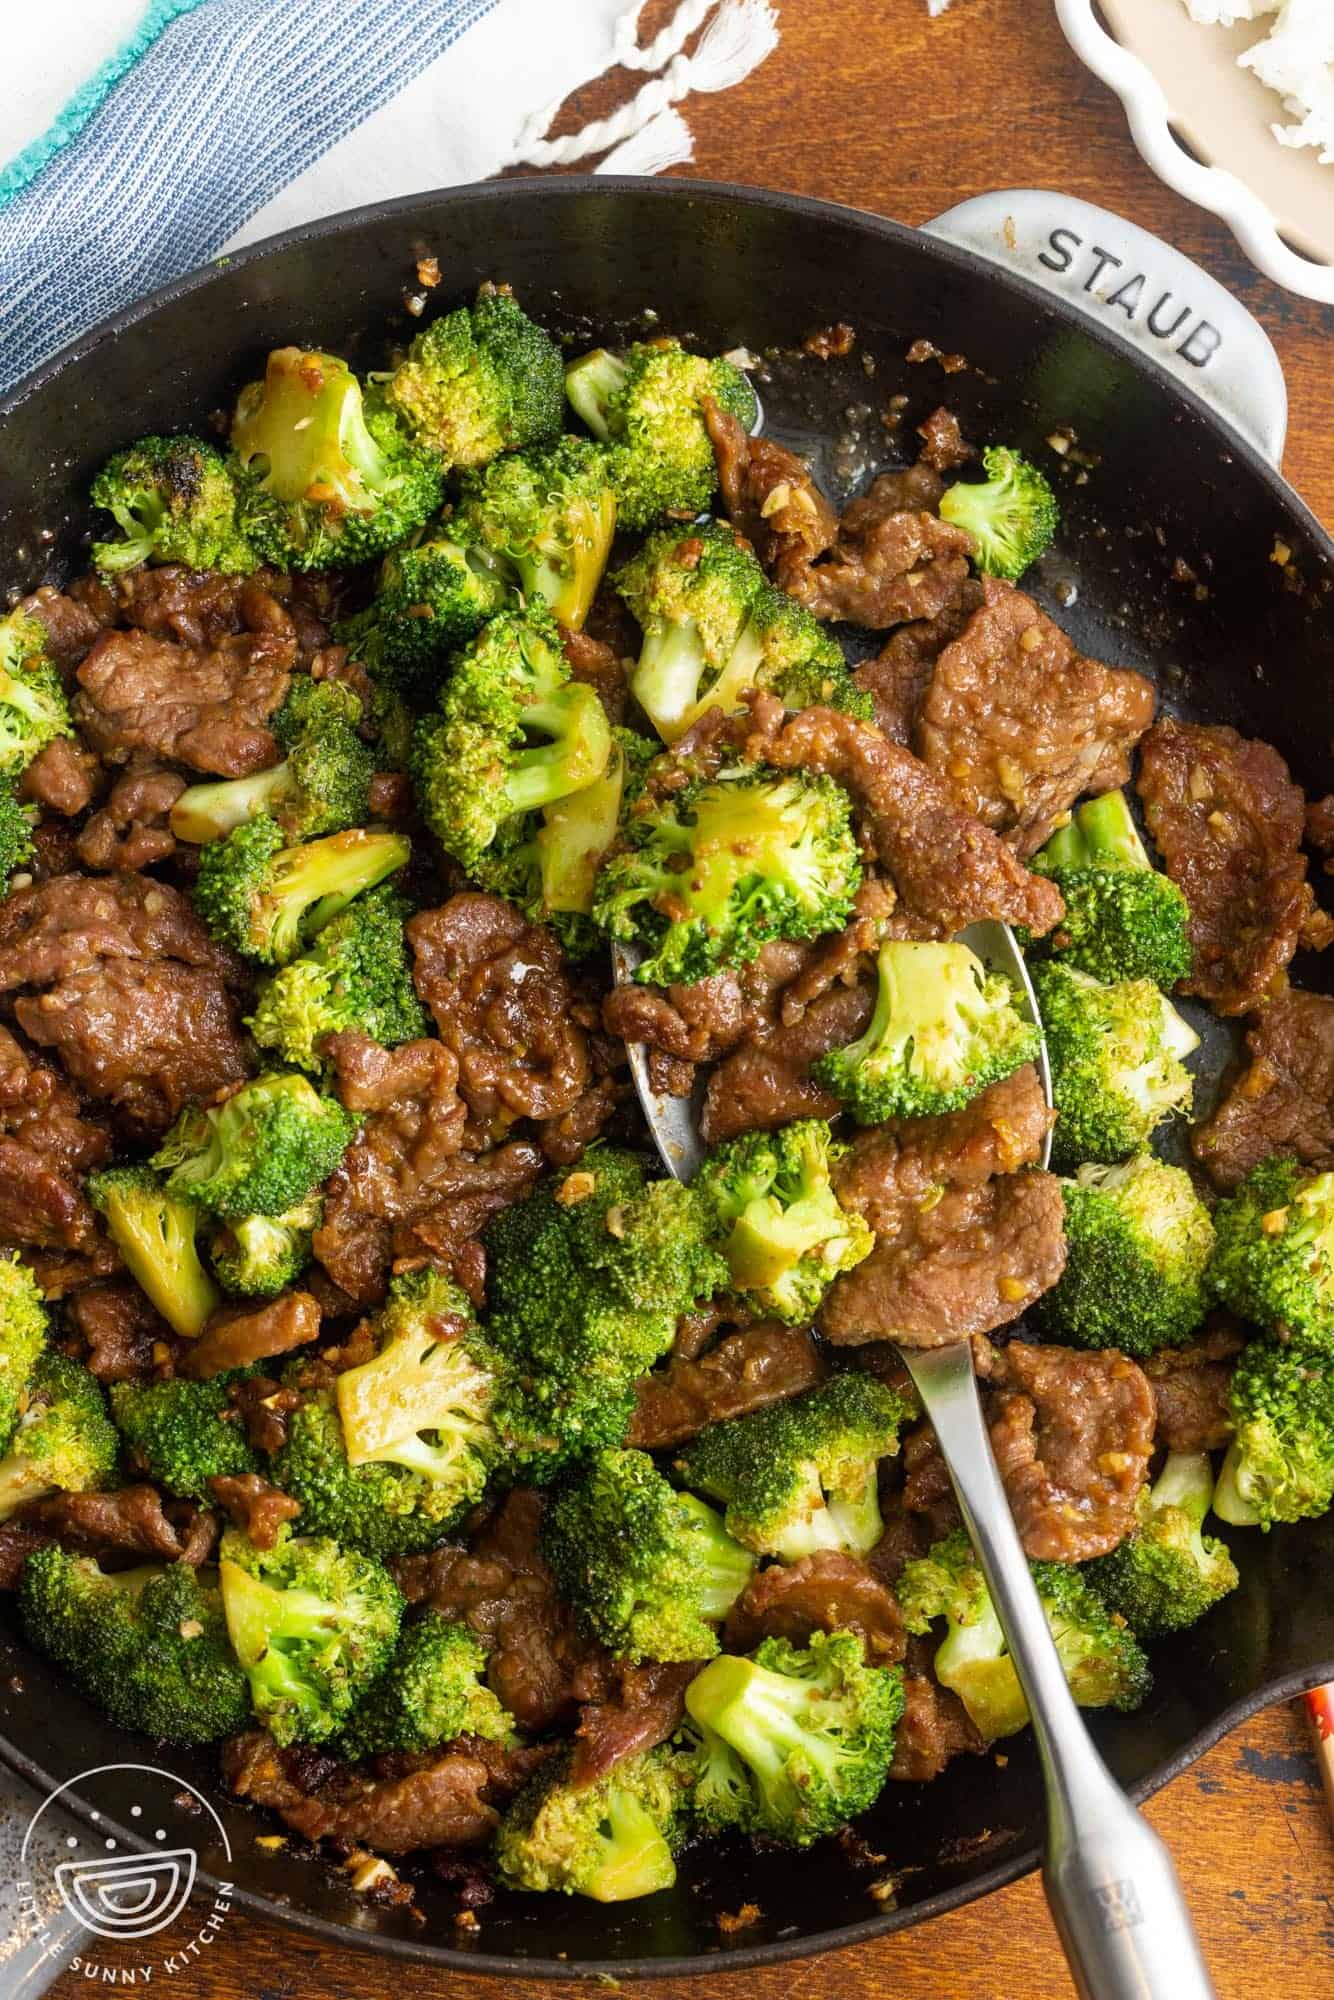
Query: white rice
[{"x": 1295, "y": 59}]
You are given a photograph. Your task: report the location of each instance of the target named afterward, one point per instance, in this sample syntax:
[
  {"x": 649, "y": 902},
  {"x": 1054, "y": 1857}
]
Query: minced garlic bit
[
  {"x": 575, "y": 1188},
  {"x": 1275, "y": 1222}
]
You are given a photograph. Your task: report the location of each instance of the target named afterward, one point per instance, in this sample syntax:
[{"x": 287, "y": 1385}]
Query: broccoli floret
[
  {"x": 432, "y": 1691},
  {"x": 810, "y": 1729},
  {"x": 1103, "y": 1661},
  {"x": 714, "y": 873},
  {"x": 33, "y": 710},
  {"x": 16, "y": 842},
  {"x": 1280, "y": 1464},
  {"x": 155, "y": 1234},
  {"x": 64, "y": 1441},
  {"x": 1138, "y": 1242},
  {"x": 314, "y": 1626},
  {"x": 174, "y": 501},
  {"x": 481, "y": 380},
  {"x": 269, "y": 900},
  {"x": 322, "y": 785},
  {"x": 649, "y": 1570},
  {"x": 1011, "y": 514},
  {"x": 357, "y": 975},
  {"x": 148, "y": 1646},
  {"x": 1274, "y": 1261},
  {"x": 325, "y": 478},
  {"x": 513, "y": 733},
  {"x": 647, "y": 403},
  {"x": 258, "y": 1256},
  {"x": 612, "y": 1840},
  {"x": 944, "y": 1028},
  {"x": 802, "y": 1475},
  {"x": 548, "y": 516},
  {"x": 182, "y": 1434},
  {"x": 1167, "y": 1573},
  {"x": 1123, "y": 919},
  {"x": 650, "y": 1250},
  {"x": 260, "y": 1152},
  {"x": 23, "y": 1330},
  {"x": 429, "y": 600},
  {"x": 1117, "y": 1067},
  {"x": 779, "y": 1223}
]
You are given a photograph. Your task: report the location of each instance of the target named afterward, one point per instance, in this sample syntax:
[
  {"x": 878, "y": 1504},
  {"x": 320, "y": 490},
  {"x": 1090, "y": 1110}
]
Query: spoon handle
[{"x": 1113, "y": 1892}]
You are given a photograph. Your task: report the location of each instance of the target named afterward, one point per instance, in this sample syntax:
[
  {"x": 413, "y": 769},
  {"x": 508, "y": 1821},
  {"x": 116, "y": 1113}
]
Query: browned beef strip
[
  {"x": 60, "y": 1273},
  {"x": 131, "y": 831},
  {"x": 771, "y": 498},
  {"x": 1190, "y": 1390},
  {"x": 45, "y": 1145},
  {"x": 448, "y": 1799},
  {"x": 599, "y": 666},
  {"x": 943, "y": 447},
  {"x": 1283, "y": 1101},
  {"x": 254, "y": 1330},
  {"x": 769, "y": 1083},
  {"x": 69, "y": 924},
  {"x": 122, "y": 1336},
  {"x": 890, "y": 565},
  {"x": 1073, "y": 1434},
  {"x": 206, "y": 709},
  {"x": 414, "y": 1124},
  {"x": 1002, "y": 1129},
  {"x": 700, "y": 1023},
  {"x": 746, "y": 1371},
  {"x": 565, "y": 1138},
  {"x": 829, "y": 1591},
  {"x": 948, "y": 868},
  {"x": 934, "y": 1728},
  {"x": 1228, "y": 821},
  {"x": 132, "y": 1520},
  {"x": 61, "y": 778},
  {"x": 498, "y": 989},
  {"x": 72, "y": 624},
  {"x": 903, "y": 1538},
  {"x": 258, "y": 1508},
  {"x": 265, "y": 1407},
  {"x": 17, "y": 1542},
  {"x": 643, "y": 1709},
  {"x": 900, "y": 674},
  {"x": 1016, "y": 723}
]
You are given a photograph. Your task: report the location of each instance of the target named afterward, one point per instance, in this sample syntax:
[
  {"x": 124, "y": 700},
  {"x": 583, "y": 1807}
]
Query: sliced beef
[
  {"x": 61, "y": 1273},
  {"x": 448, "y": 1799},
  {"x": 599, "y": 666},
  {"x": 829, "y": 1591},
  {"x": 934, "y": 1728},
  {"x": 46, "y": 1144},
  {"x": 201, "y": 608},
  {"x": 1073, "y": 1434},
  {"x": 566, "y": 1138},
  {"x": 900, "y": 674},
  {"x": 133, "y": 1520},
  {"x": 466, "y": 1196},
  {"x": 139, "y": 695},
  {"x": 72, "y": 923},
  {"x": 414, "y": 1120},
  {"x": 769, "y": 1083},
  {"x": 902, "y": 1161},
  {"x": 239, "y": 1334},
  {"x": 746, "y": 1371},
  {"x": 258, "y": 1508},
  {"x": 17, "y": 1543},
  {"x": 1190, "y": 1391},
  {"x": 1016, "y": 723},
  {"x": 72, "y": 623},
  {"x": 771, "y": 497},
  {"x": 1228, "y": 821},
  {"x": 944, "y": 448},
  {"x": 644, "y": 1708},
  {"x": 891, "y": 564},
  {"x": 1283, "y": 1101},
  {"x": 700, "y": 1023},
  {"x": 498, "y": 989},
  {"x": 61, "y": 778},
  {"x": 122, "y": 1336},
  {"x": 131, "y": 830}
]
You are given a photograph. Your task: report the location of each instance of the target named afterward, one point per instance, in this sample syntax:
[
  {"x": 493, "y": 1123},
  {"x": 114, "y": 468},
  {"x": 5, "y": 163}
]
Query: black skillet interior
[{"x": 1164, "y": 563}]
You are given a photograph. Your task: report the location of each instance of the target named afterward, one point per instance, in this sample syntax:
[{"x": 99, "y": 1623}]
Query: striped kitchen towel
[{"x": 148, "y": 135}]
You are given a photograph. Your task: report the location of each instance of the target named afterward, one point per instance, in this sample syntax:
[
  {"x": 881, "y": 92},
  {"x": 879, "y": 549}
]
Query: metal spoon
[{"x": 1113, "y": 1892}]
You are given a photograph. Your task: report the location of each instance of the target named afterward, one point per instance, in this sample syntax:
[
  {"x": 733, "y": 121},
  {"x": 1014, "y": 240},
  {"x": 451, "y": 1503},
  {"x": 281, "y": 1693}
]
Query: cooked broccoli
[
  {"x": 1280, "y": 1464},
  {"x": 23, "y": 1330},
  {"x": 513, "y": 733},
  {"x": 269, "y": 900},
  {"x": 16, "y": 842},
  {"x": 1103, "y": 1661},
  {"x": 611, "y": 1840},
  {"x": 174, "y": 501},
  {"x": 1011, "y": 514},
  {"x": 650, "y": 1571},
  {"x": 1123, "y": 919},
  {"x": 258, "y": 1256},
  {"x": 802, "y": 1475},
  {"x": 810, "y": 1731},
  {"x": 1116, "y": 1062},
  {"x": 944, "y": 1027},
  {"x": 357, "y": 975},
  {"x": 155, "y": 1234},
  {"x": 314, "y": 1627},
  {"x": 1138, "y": 1241},
  {"x": 325, "y": 478},
  {"x": 260, "y": 1152},
  {"x": 403, "y": 1446},
  {"x": 148, "y": 1646},
  {"x": 715, "y": 872},
  {"x": 429, "y": 600},
  {"x": 548, "y": 516},
  {"x": 571, "y": 838},
  {"x": 779, "y": 1223},
  {"x": 322, "y": 785},
  {"x": 1167, "y": 1573},
  {"x": 181, "y": 1434},
  {"x": 481, "y": 380},
  {"x": 651, "y": 1249},
  {"x": 1274, "y": 1261},
  {"x": 33, "y": 710},
  {"x": 64, "y": 1441},
  {"x": 431, "y": 1691},
  {"x": 647, "y": 403}
]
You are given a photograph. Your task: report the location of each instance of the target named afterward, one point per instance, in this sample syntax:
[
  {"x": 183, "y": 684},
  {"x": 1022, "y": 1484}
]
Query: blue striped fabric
[{"x": 233, "y": 101}]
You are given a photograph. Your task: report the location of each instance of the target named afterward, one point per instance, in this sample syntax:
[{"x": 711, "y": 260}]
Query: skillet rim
[{"x": 1029, "y": 295}]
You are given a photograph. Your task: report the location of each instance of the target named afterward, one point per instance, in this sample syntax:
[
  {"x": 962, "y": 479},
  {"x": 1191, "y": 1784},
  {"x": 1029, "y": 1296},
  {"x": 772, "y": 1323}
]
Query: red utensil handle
[{"x": 1320, "y": 1715}]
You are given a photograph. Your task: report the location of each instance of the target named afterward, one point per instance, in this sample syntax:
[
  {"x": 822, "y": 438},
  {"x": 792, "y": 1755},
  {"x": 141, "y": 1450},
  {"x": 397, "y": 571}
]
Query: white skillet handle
[{"x": 1129, "y": 281}]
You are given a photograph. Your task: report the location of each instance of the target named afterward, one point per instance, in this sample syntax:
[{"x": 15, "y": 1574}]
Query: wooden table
[{"x": 871, "y": 103}]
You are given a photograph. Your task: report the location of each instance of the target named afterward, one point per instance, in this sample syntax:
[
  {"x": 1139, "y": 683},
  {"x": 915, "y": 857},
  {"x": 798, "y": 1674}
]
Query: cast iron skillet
[{"x": 1245, "y": 642}]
